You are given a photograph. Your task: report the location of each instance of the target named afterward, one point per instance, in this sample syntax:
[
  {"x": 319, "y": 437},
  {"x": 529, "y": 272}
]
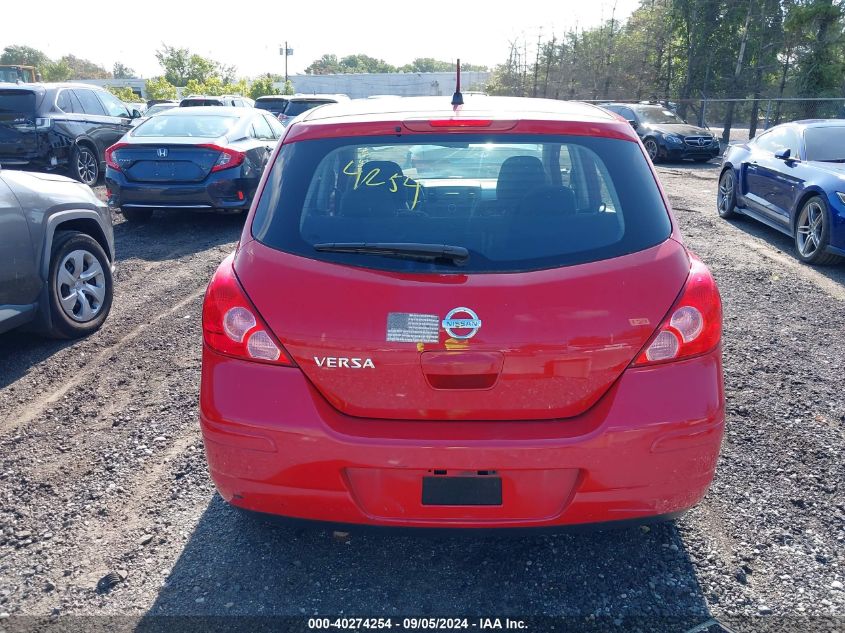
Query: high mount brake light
[
  {"x": 231, "y": 325},
  {"x": 109, "y": 155},
  {"x": 461, "y": 123},
  {"x": 693, "y": 325},
  {"x": 228, "y": 157},
  {"x": 458, "y": 123}
]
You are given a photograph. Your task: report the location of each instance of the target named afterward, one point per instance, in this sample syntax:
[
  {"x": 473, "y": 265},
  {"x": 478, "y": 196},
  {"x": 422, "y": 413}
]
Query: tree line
[
  {"x": 329, "y": 64},
  {"x": 197, "y": 74},
  {"x": 689, "y": 50}
]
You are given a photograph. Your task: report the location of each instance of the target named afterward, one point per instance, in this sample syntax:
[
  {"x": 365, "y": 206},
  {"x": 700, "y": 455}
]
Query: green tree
[
  {"x": 428, "y": 65},
  {"x": 194, "y": 87},
  {"x": 23, "y": 56},
  {"x": 263, "y": 86},
  {"x": 56, "y": 71},
  {"x": 288, "y": 89},
  {"x": 85, "y": 68},
  {"x": 121, "y": 71},
  {"x": 817, "y": 25},
  {"x": 326, "y": 65},
  {"x": 124, "y": 93},
  {"x": 239, "y": 87},
  {"x": 180, "y": 66},
  {"x": 365, "y": 64},
  {"x": 160, "y": 88}
]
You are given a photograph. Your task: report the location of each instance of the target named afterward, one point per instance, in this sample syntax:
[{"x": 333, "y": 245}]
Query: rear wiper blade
[{"x": 408, "y": 250}]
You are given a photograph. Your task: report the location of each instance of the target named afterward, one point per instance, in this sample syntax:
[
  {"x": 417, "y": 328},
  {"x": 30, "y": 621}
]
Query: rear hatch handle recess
[{"x": 457, "y": 255}]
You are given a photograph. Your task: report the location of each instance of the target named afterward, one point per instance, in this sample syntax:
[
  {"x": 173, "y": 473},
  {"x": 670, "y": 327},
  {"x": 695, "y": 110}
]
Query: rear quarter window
[{"x": 515, "y": 203}]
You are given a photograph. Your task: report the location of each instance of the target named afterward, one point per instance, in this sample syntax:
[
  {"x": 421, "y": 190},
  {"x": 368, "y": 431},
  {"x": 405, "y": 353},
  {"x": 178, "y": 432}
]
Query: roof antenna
[{"x": 458, "y": 98}]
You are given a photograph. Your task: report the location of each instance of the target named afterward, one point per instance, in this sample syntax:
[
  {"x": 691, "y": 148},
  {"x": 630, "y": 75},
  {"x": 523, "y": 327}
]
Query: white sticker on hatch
[{"x": 405, "y": 327}]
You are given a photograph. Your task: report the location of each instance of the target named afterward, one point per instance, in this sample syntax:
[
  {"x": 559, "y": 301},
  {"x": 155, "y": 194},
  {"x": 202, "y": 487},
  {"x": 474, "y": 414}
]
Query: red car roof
[{"x": 530, "y": 116}]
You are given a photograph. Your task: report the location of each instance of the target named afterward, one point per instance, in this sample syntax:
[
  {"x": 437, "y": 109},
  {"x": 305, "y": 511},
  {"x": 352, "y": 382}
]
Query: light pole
[{"x": 285, "y": 51}]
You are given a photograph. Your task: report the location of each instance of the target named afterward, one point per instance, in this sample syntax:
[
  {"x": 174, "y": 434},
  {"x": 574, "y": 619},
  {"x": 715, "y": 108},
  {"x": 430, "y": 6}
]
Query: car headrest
[
  {"x": 386, "y": 169},
  {"x": 517, "y": 175},
  {"x": 547, "y": 201}
]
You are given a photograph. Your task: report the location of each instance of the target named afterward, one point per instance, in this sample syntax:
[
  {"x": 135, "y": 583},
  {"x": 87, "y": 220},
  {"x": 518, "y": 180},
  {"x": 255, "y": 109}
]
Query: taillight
[
  {"x": 231, "y": 324},
  {"x": 693, "y": 325},
  {"x": 109, "y": 155},
  {"x": 228, "y": 157}
]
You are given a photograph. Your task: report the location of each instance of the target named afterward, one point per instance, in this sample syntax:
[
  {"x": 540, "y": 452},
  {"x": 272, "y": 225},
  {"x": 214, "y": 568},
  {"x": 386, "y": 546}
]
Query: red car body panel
[
  {"x": 544, "y": 396},
  {"x": 565, "y": 334},
  {"x": 645, "y": 448}
]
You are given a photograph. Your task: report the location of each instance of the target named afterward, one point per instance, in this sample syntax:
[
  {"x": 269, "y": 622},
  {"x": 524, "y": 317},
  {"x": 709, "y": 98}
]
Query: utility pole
[{"x": 286, "y": 51}]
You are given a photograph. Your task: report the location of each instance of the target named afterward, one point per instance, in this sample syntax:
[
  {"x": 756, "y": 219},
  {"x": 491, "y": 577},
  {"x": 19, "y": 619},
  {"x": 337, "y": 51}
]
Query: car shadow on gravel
[
  {"x": 786, "y": 245},
  {"x": 175, "y": 234},
  {"x": 688, "y": 165},
  {"x": 19, "y": 351},
  {"x": 239, "y": 565}
]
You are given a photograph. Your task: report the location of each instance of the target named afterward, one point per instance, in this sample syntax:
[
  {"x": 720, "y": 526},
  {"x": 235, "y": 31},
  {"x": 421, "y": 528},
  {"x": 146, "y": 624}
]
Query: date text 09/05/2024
[{"x": 412, "y": 624}]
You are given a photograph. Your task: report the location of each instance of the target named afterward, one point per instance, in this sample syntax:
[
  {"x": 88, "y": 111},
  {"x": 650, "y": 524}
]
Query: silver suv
[{"x": 56, "y": 255}]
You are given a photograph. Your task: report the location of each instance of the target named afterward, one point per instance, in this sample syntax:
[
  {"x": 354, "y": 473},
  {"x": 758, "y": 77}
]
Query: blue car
[
  {"x": 208, "y": 157},
  {"x": 792, "y": 177}
]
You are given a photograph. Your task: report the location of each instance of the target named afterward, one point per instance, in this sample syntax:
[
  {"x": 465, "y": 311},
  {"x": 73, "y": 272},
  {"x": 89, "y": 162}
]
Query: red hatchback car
[{"x": 470, "y": 316}]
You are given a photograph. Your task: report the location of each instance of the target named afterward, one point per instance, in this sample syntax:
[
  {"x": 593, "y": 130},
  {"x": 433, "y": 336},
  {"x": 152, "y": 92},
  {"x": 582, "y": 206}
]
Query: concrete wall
[{"x": 357, "y": 85}]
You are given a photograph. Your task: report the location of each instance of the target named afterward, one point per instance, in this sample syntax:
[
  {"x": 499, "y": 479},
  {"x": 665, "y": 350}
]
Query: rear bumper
[
  {"x": 647, "y": 449},
  {"x": 218, "y": 191}
]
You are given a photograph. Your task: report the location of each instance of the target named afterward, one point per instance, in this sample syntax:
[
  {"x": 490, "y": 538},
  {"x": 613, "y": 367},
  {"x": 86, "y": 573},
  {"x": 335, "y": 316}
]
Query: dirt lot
[{"x": 102, "y": 469}]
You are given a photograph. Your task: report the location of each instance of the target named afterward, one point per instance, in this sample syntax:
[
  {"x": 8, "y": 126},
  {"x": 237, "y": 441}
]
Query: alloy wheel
[
  {"x": 86, "y": 166},
  {"x": 726, "y": 193},
  {"x": 80, "y": 285},
  {"x": 810, "y": 228},
  {"x": 651, "y": 148}
]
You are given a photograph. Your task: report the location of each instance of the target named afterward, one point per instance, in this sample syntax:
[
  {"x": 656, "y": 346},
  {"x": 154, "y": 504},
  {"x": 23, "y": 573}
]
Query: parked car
[
  {"x": 191, "y": 158},
  {"x": 60, "y": 126},
  {"x": 792, "y": 178},
  {"x": 274, "y": 104},
  {"x": 532, "y": 347},
  {"x": 152, "y": 111},
  {"x": 236, "y": 101},
  {"x": 665, "y": 135},
  {"x": 297, "y": 104},
  {"x": 58, "y": 251},
  {"x": 140, "y": 106}
]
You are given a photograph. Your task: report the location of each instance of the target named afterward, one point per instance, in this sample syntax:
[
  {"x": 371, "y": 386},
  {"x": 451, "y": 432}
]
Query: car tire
[
  {"x": 812, "y": 233},
  {"x": 137, "y": 216},
  {"x": 652, "y": 149},
  {"x": 726, "y": 195},
  {"x": 80, "y": 285},
  {"x": 85, "y": 165}
]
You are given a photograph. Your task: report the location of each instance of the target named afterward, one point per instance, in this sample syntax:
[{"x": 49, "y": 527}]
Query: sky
[{"x": 248, "y": 35}]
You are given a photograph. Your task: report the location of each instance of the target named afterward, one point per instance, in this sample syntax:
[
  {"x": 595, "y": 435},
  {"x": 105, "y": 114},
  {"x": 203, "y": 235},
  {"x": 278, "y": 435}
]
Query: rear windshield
[
  {"x": 298, "y": 107},
  {"x": 186, "y": 103},
  {"x": 186, "y": 125},
  {"x": 161, "y": 107},
  {"x": 825, "y": 143},
  {"x": 271, "y": 104},
  {"x": 658, "y": 116},
  {"x": 515, "y": 203},
  {"x": 16, "y": 102}
]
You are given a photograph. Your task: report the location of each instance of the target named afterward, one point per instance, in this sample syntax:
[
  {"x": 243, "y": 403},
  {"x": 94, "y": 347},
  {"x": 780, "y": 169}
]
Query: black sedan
[
  {"x": 191, "y": 158},
  {"x": 665, "y": 135}
]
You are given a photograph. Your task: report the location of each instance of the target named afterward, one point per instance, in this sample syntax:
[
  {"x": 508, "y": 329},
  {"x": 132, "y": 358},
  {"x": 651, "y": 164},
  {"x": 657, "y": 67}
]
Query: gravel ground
[{"x": 102, "y": 470}]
